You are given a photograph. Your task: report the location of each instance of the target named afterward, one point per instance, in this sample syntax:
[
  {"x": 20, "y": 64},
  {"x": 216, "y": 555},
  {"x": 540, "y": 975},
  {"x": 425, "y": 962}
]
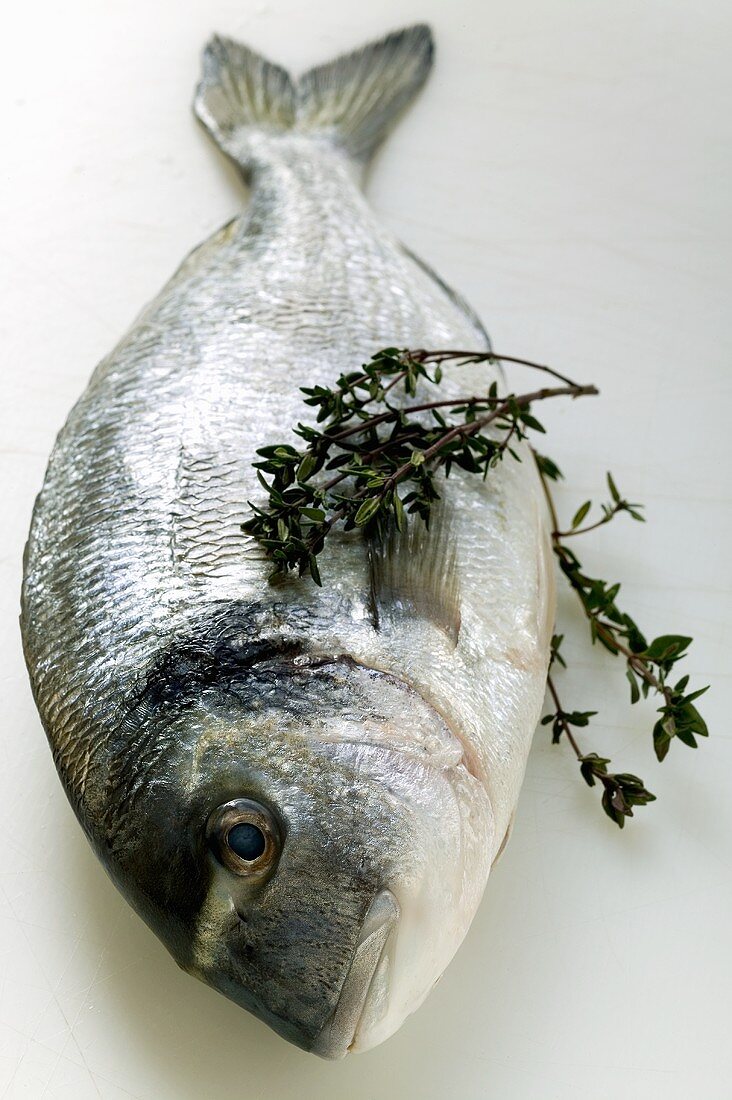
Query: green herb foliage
[{"x": 372, "y": 459}]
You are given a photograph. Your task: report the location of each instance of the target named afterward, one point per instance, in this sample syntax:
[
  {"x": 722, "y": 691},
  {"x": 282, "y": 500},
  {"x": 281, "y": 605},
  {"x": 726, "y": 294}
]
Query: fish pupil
[{"x": 246, "y": 840}]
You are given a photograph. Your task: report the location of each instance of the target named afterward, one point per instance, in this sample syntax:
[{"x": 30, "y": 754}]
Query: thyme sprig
[
  {"x": 648, "y": 664},
  {"x": 621, "y": 790},
  {"x": 371, "y": 461},
  {"x": 378, "y": 454}
]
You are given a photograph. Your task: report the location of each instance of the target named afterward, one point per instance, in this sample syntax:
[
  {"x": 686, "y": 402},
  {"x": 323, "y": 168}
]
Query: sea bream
[{"x": 301, "y": 790}]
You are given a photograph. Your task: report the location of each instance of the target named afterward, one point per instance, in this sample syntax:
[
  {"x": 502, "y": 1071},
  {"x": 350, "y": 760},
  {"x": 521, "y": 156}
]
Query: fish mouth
[{"x": 339, "y": 1034}]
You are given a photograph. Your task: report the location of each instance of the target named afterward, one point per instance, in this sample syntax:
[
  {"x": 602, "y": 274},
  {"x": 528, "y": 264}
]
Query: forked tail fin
[{"x": 353, "y": 100}]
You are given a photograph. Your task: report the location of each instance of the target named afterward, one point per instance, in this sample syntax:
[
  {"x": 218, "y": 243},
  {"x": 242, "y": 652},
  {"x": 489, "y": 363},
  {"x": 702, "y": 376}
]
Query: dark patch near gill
[
  {"x": 220, "y": 650},
  {"x": 182, "y": 673}
]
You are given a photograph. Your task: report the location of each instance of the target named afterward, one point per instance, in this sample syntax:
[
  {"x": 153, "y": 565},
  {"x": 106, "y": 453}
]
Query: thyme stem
[{"x": 566, "y": 728}]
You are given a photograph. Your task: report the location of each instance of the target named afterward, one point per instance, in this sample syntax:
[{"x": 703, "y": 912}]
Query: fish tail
[{"x": 352, "y": 101}]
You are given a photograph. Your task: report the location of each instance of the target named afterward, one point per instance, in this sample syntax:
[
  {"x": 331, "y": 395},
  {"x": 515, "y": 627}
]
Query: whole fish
[{"x": 300, "y": 790}]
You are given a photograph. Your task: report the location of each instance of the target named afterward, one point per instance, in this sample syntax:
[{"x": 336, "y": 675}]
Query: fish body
[{"x": 370, "y": 736}]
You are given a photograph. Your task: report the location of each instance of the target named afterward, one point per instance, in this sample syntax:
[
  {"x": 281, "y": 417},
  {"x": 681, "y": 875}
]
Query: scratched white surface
[{"x": 568, "y": 168}]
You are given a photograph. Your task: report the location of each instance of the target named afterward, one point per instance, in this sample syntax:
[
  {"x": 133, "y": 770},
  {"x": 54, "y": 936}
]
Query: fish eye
[{"x": 243, "y": 836}]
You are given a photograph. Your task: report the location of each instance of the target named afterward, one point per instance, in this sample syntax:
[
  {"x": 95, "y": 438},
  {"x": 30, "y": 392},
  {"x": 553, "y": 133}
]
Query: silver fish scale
[{"x": 136, "y": 532}]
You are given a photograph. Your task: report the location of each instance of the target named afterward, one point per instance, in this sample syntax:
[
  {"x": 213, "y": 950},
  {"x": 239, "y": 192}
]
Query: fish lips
[
  {"x": 363, "y": 991},
  {"x": 364, "y": 980},
  {"x": 340, "y": 1033}
]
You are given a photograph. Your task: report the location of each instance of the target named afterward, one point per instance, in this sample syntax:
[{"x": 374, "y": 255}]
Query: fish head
[{"x": 318, "y": 847}]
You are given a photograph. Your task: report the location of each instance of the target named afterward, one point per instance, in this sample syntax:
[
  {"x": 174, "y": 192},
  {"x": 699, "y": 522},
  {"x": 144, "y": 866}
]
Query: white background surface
[{"x": 568, "y": 167}]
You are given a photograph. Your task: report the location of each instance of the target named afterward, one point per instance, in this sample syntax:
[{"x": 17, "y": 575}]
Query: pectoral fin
[{"x": 415, "y": 573}]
